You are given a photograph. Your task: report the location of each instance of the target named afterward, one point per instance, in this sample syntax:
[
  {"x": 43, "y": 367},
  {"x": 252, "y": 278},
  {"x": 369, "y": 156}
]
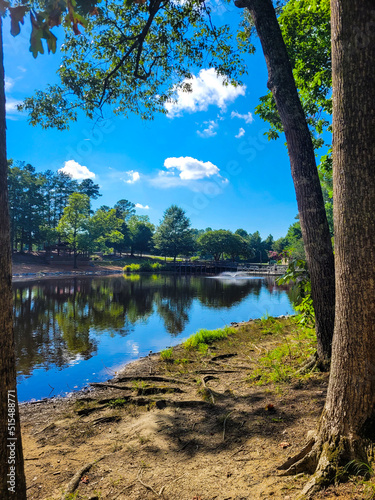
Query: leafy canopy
[{"x": 133, "y": 58}]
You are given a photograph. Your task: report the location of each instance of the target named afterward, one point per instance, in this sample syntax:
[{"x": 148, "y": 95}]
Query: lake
[{"x": 76, "y": 330}]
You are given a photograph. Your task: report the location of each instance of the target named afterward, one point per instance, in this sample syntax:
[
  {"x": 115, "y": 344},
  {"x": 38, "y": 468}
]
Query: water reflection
[{"x": 59, "y": 323}]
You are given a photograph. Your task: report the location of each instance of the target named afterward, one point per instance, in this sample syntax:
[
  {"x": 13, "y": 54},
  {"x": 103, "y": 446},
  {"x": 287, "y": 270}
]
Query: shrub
[
  {"x": 145, "y": 266},
  {"x": 156, "y": 266},
  {"x": 132, "y": 268}
]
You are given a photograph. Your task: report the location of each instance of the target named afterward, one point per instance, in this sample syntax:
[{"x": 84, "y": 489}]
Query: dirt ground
[
  {"x": 30, "y": 266},
  {"x": 192, "y": 427}
]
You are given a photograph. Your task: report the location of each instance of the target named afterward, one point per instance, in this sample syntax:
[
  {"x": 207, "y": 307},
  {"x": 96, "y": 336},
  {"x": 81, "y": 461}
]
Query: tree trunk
[
  {"x": 12, "y": 476},
  {"x": 347, "y": 425},
  {"x": 314, "y": 225}
]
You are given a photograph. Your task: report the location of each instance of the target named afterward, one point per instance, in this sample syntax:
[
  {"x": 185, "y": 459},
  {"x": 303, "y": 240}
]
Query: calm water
[{"x": 77, "y": 330}]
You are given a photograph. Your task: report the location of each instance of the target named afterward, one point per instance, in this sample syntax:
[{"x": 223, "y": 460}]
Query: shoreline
[
  {"x": 192, "y": 426},
  {"x": 137, "y": 365},
  {"x": 62, "y": 274}
]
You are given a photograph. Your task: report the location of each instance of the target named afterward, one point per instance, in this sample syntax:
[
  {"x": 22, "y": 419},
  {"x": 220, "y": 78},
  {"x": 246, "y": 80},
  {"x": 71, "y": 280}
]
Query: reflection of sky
[{"x": 113, "y": 350}]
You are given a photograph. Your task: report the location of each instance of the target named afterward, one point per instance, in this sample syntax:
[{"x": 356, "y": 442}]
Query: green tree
[
  {"x": 174, "y": 236},
  {"x": 73, "y": 224},
  {"x": 219, "y": 242},
  {"x": 124, "y": 209},
  {"x": 140, "y": 231},
  {"x": 104, "y": 230},
  {"x": 26, "y": 205}
]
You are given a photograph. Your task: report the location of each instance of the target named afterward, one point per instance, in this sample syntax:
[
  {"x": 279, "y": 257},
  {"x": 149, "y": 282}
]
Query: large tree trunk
[
  {"x": 314, "y": 225},
  {"x": 12, "y": 477},
  {"x": 347, "y": 426}
]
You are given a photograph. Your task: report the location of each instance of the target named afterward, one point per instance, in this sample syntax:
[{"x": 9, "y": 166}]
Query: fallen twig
[{"x": 147, "y": 486}]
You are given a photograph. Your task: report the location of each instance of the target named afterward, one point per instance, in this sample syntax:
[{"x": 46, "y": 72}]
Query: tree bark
[
  {"x": 314, "y": 225},
  {"x": 347, "y": 428},
  {"x": 11, "y": 457}
]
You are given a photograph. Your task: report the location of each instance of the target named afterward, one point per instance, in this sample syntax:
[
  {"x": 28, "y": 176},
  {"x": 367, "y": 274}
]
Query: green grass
[
  {"x": 204, "y": 337},
  {"x": 166, "y": 354},
  {"x": 281, "y": 363}
]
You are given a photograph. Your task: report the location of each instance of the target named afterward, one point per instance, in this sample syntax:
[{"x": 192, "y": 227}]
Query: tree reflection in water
[{"x": 60, "y": 321}]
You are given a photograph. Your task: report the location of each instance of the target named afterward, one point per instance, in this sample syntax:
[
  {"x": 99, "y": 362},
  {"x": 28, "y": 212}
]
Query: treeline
[{"x": 50, "y": 210}]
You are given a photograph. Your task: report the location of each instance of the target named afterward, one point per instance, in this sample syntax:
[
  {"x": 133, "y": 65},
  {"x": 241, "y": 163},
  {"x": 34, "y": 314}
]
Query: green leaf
[{"x": 17, "y": 15}]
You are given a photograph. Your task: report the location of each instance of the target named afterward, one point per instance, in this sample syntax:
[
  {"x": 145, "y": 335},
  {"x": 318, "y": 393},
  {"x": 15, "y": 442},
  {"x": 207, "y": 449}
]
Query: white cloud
[
  {"x": 76, "y": 171},
  {"x": 11, "y": 105},
  {"x": 210, "y": 130},
  {"x": 248, "y": 117},
  {"x": 190, "y": 173},
  {"x": 241, "y": 133},
  {"x": 133, "y": 177},
  {"x": 206, "y": 88},
  {"x": 9, "y": 83},
  {"x": 190, "y": 168},
  {"x": 144, "y": 207}
]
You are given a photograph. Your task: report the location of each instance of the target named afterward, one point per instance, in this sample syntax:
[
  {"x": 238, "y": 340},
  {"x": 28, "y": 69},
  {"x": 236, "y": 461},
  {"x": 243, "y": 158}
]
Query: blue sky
[{"x": 208, "y": 155}]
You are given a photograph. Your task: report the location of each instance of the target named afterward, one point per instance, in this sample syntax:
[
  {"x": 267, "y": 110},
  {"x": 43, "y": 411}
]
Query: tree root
[
  {"x": 302, "y": 462},
  {"x": 111, "y": 386},
  {"x": 314, "y": 362},
  {"x": 73, "y": 483},
  {"x": 152, "y": 378},
  {"x": 328, "y": 459}
]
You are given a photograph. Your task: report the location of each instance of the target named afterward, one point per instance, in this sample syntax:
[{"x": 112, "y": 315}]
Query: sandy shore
[{"x": 30, "y": 270}]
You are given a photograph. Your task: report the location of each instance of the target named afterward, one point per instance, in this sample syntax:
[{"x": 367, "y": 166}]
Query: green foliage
[
  {"x": 117, "y": 403},
  {"x": 157, "y": 266},
  {"x": 174, "y": 236},
  {"x": 134, "y": 56},
  {"x": 297, "y": 274},
  {"x": 305, "y": 26},
  {"x": 281, "y": 364},
  {"x": 44, "y": 16},
  {"x": 104, "y": 229},
  {"x": 74, "y": 222},
  {"x": 292, "y": 244},
  {"x": 166, "y": 354},
  {"x": 140, "y": 233},
  {"x": 132, "y": 268},
  {"x": 203, "y": 337},
  {"x": 145, "y": 266},
  {"x": 221, "y": 242}
]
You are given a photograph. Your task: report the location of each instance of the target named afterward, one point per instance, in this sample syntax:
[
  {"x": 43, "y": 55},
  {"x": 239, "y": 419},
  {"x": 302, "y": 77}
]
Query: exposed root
[
  {"x": 153, "y": 378},
  {"x": 208, "y": 391},
  {"x": 327, "y": 459},
  {"x": 314, "y": 362},
  {"x": 302, "y": 462},
  {"x": 73, "y": 483},
  {"x": 111, "y": 386}
]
